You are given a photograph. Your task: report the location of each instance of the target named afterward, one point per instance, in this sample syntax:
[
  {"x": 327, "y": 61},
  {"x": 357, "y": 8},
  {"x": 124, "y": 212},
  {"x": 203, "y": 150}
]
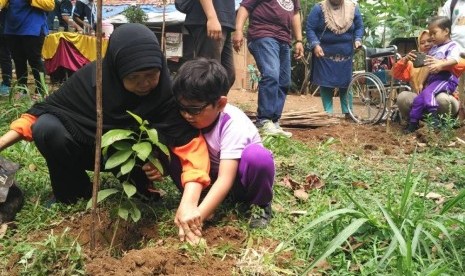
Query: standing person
[
  {"x": 5, "y": 58},
  {"x": 443, "y": 54},
  {"x": 135, "y": 78},
  {"x": 210, "y": 23},
  {"x": 63, "y": 11},
  {"x": 26, "y": 28},
  {"x": 455, "y": 11},
  {"x": 239, "y": 164},
  {"x": 269, "y": 37},
  {"x": 85, "y": 9},
  {"x": 404, "y": 70},
  {"x": 334, "y": 29}
]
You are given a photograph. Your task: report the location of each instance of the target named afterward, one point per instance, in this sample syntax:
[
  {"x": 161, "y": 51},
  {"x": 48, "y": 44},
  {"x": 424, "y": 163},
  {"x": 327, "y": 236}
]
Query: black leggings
[{"x": 68, "y": 161}]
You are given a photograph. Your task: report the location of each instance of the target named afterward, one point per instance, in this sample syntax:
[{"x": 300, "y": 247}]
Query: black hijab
[{"x": 132, "y": 48}]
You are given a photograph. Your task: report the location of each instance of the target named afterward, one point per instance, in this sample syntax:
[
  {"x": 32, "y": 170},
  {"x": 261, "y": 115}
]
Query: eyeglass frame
[{"x": 192, "y": 110}]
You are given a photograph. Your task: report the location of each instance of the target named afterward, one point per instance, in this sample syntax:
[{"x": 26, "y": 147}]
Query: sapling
[{"x": 124, "y": 148}]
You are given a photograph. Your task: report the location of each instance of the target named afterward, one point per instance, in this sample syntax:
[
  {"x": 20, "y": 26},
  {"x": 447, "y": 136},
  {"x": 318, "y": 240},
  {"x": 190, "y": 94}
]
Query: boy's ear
[{"x": 222, "y": 102}]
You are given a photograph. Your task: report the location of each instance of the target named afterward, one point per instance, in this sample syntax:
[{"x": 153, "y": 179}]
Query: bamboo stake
[{"x": 98, "y": 135}]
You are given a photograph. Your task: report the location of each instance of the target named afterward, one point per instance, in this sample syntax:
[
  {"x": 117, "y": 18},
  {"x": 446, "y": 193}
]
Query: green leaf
[
  {"x": 127, "y": 166},
  {"x": 123, "y": 213},
  {"x": 325, "y": 217},
  {"x": 156, "y": 163},
  {"x": 337, "y": 241},
  {"x": 115, "y": 135},
  {"x": 101, "y": 195},
  {"x": 395, "y": 230},
  {"x": 451, "y": 203},
  {"x": 129, "y": 189},
  {"x": 118, "y": 158},
  {"x": 163, "y": 148},
  {"x": 138, "y": 119},
  {"x": 153, "y": 135},
  {"x": 135, "y": 213},
  {"x": 143, "y": 150},
  {"x": 122, "y": 145}
]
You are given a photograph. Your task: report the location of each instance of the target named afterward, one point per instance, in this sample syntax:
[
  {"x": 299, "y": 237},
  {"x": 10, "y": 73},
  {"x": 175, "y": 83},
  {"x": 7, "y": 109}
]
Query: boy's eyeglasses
[{"x": 192, "y": 110}]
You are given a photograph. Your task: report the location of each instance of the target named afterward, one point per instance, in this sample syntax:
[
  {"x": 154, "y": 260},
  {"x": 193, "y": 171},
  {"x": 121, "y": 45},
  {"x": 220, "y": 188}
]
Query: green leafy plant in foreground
[
  {"x": 125, "y": 147},
  {"x": 57, "y": 255},
  {"x": 407, "y": 234}
]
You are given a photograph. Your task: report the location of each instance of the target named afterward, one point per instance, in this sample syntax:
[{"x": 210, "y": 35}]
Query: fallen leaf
[
  {"x": 312, "y": 182},
  {"x": 301, "y": 194},
  {"x": 438, "y": 199},
  {"x": 421, "y": 145},
  {"x": 278, "y": 208},
  {"x": 360, "y": 184},
  {"x": 289, "y": 183},
  {"x": 321, "y": 266},
  {"x": 3, "y": 229}
]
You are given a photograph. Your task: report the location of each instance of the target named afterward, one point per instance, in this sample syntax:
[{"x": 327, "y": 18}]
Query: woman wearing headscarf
[
  {"x": 334, "y": 28},
  {"x": 403, "y": 70},
  {"x": 136, "y": 79}
]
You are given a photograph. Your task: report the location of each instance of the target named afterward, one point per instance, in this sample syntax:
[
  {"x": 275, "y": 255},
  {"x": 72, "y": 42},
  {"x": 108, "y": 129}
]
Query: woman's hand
[
  {"x": 152, "y": 172},
  {"x": 214, "y": 29},
  {"x": 318, "y": 51},
  {"x": 357, "y": 44}
]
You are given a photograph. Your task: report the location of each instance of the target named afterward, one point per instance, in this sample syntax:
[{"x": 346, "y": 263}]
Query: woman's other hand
[
  {"x": 357, "y": 44},
  {"x": 318, "y": 51},
  {"x": 152, "y": 173}
]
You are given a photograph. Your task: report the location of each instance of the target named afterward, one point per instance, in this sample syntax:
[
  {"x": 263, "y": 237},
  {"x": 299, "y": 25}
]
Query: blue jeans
[{"x": 274, "y": 63}]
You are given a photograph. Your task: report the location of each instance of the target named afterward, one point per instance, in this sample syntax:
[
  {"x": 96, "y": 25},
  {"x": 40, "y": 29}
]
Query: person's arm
[
  {"x": 195, "y": 164},
  {"x": 297, "y": 30},
  {"x": 220, "y": 189},
  {"x": 313, "y": 20},
  {"x": 358, "y": 31},
  {"x": 402, "y": 69},
  {"x": 78, "y": 10},
  {"x": 9, "y": 138},
  {"x": 213, "y": 24},
  {"x": 437, "y": 65},
  {"x": 238, "y": 37},
  {"x": 19, "y": 129},
  {"x": 188, "y": 217},
  {"x": 459, "y": 68}
]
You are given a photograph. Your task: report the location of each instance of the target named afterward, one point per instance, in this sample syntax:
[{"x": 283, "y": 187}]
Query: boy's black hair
[
  {"x": 443, "y": 22},
  {"x": 203, "y": 80}
]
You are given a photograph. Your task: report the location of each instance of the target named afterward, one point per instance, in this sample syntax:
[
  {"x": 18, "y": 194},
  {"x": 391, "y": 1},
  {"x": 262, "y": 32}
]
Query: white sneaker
[
  {"x": 269, "y": 128},
  {"x": 283, "y": 132}
]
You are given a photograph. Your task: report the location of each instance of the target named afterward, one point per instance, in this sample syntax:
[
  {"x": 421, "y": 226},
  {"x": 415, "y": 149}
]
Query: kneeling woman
[{"x": 135, "y": 78}]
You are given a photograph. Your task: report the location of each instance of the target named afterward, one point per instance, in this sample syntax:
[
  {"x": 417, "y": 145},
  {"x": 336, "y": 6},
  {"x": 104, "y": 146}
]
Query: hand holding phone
[{"x": 419, "y": 60}]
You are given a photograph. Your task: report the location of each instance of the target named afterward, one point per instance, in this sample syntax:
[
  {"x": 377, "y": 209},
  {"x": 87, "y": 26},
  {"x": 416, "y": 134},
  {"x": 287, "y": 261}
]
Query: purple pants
[
  {"x": 426, "y": 100},
  {"x": 254, "y": 179}
]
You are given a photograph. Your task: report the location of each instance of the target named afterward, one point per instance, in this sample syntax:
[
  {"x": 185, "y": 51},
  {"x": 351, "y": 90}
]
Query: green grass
[{"x": 386, "y": 229}]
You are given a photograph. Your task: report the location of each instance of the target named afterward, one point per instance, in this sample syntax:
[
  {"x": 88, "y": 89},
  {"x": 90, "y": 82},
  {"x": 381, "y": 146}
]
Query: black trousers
[
  {"x": 68, "y": 161},
  {"x": 221, "y": 50},
  {"x": 27, "y": 49},
  {"x": 5, "y": 61}
]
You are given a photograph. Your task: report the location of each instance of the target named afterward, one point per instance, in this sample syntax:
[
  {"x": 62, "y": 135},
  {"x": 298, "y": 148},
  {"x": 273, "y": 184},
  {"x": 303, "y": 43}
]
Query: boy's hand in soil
[
  {"x": 152, "y": 172},
  {"x": 188, "y": 217},
  {"x": 190, "y": 225}
]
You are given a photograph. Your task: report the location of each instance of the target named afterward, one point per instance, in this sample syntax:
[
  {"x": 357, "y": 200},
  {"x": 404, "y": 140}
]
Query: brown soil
[{"x": 167, "y": 256}]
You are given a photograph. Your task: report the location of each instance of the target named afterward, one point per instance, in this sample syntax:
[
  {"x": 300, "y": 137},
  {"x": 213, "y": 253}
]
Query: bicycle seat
[{"x": 380, "y": 52}]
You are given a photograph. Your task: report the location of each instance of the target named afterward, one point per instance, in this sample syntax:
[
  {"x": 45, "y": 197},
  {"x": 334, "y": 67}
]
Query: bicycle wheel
[{"x": 366, "y": 98}]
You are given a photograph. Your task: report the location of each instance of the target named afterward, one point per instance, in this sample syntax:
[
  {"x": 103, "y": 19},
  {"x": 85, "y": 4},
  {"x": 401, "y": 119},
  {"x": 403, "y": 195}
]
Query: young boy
[{"x": 239, "y": 164}]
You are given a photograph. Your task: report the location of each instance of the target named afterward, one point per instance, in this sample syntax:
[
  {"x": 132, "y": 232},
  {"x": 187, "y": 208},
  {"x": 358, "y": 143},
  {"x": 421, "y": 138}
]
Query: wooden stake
[{"x": 98, "y": 134}]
